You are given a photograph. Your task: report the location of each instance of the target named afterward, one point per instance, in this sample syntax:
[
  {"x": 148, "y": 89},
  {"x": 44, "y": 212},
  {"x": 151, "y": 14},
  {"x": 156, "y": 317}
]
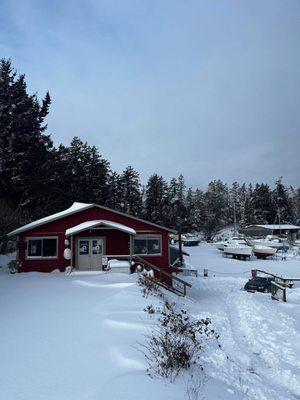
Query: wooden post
[{"x": 254, "y": 273}]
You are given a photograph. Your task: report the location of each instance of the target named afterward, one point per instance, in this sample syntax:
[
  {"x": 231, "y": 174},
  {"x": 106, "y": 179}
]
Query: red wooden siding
[{"x": 117, "y": 242}]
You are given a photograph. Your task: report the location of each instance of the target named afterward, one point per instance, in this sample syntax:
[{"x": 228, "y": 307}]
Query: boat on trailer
[
  {"x": 263, "y": 251},
  {"x": 238, "y": 250},
  {"x": 235, "y": 239},
  {"x": 271, "y": 241}
]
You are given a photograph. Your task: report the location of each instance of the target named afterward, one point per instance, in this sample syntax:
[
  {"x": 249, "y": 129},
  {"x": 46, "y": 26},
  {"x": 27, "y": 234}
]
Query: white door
[{"x": 89, "y": 254}]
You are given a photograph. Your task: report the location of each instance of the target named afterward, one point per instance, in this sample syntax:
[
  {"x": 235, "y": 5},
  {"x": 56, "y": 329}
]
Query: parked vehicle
[{"x": 259, "y": 284}]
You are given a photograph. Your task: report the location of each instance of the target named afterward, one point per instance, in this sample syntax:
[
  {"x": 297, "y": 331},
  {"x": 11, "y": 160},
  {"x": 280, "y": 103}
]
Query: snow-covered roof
[
  {"x": 283, "y": 226},
  {"x": 75, "y": 207},
  {"x": 101, "y": 222}
]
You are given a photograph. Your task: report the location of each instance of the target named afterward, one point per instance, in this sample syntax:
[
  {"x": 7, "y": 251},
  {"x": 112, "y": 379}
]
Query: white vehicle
[{"x": 263, "y": 251}]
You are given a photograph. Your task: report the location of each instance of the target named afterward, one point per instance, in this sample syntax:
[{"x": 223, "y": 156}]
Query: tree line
[{"x": 38, "y": 179}]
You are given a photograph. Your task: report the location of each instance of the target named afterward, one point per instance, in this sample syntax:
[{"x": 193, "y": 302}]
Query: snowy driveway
[{"x": 260, "y": 338}]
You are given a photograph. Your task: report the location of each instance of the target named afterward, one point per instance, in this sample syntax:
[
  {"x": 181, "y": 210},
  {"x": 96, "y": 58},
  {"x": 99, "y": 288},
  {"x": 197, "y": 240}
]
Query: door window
[
  {"x": 97, "y": 246},
  {"x": 84, "y": 247}
]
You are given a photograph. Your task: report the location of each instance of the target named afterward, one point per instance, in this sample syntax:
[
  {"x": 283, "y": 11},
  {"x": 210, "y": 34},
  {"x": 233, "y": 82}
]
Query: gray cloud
[{"x": 207, "y": 89}]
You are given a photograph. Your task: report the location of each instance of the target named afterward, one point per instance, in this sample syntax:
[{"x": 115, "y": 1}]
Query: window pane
[
  {"x": 97, "y": 246},
  {"x": 49, "y": 248},
  {"x": 84, "y": 247},
  {"x": 153, "y": 246},
  {"x": 35, "y": 248},
  {"x": 140, "y": 246}
]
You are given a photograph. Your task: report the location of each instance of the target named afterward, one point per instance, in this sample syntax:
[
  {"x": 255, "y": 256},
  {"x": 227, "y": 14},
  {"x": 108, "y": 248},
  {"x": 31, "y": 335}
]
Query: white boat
[
  {"x": 263, "y": 251},
  {"x": 271, "y": 241},
  {"x": 220, "y": 245},
  {"x": 296, "y": 243},
  {"x": 234, "y": 239},
  {"x": 238, "y": 250}
]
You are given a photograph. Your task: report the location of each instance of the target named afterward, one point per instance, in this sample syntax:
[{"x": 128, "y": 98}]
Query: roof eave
[{"x": 21, "y": 230}]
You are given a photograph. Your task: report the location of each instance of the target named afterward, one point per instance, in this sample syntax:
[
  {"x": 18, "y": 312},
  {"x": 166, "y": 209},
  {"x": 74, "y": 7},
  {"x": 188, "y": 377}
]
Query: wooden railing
[
  {"x": 177, "y": 284},
  {"x": 162, "y": 277}
]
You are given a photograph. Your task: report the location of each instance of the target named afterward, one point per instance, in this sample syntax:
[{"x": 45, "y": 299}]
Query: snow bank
[{"x": 76, "y": 337}]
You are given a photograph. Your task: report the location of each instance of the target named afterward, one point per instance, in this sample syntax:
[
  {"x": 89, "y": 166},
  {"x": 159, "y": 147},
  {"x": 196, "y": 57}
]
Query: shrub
[
  {"x": 149, "y": 286},
  {"x": 177, "y": 343},
  {"x": 149, "y": 309}
]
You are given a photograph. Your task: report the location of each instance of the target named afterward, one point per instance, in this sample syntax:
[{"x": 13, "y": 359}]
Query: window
[
  {"x": 147, "y": 245},
  {"x": 42, "y": 247}
]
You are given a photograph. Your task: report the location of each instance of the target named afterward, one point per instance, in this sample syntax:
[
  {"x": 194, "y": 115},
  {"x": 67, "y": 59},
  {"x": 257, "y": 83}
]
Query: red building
[{"x": 85, "y": 236}]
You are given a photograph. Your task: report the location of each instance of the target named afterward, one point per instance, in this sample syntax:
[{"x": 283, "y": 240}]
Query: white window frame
[
  {"x": 41, "y": 257},
  {"x": 146, "y": 237}
]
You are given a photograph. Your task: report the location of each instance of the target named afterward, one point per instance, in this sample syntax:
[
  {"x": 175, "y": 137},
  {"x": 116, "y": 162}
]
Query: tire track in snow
[
  {"x": 266, "y": 336},
  {"x": 255, "y": 337}
]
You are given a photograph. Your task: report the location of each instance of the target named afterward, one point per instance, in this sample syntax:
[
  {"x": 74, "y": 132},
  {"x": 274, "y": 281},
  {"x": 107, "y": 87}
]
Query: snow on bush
[
  {"x": 149, "y": 286},
  {"x": 149, "y": 309},
  {"x": 176, "y": 343}
]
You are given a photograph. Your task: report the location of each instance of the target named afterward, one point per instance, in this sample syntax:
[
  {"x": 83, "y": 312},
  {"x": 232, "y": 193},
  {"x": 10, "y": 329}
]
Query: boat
[
  {"x": 220, "y": 245},
  {"x": 263, "y": 251},
  {"x": 191, "y": 242},
  {"x": 238, "y": 250},
  {"x": 271, "y": 241},
  {"x": 235, "y": 239}
]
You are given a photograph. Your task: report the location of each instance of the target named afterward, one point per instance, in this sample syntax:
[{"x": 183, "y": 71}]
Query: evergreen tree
[
  {"x": 244, "y": 206},
  {"x": 114, "y": 191},
  {"x": 177, "y": 214},
  {"x": 156, "y": 200},
  {"x": 24, "y": 147},
  {"x": 262, "y": 204},
  {"x": 234, "y": 203},
  {"x": 191, "y": 210},
  {"x": 199, "y": 209},
  {"x": 282, "y": 202},
  {"x": 295, "y": 204},
  {"x": 215, "y": 208},
  {"x": 130, "y": 187},
  {"x": 86, "y": 173}
]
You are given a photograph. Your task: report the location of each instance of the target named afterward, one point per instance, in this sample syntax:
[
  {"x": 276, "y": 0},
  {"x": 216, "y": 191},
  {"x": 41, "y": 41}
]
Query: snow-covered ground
[{"x": 76, "y": 337}]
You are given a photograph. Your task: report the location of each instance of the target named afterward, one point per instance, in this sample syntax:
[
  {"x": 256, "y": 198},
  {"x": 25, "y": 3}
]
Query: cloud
[{"x": 207, "y": 89}]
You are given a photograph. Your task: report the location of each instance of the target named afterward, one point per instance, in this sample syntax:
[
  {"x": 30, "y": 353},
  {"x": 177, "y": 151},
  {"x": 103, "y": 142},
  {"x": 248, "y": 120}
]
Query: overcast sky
[{"x": 209, "y": 89}]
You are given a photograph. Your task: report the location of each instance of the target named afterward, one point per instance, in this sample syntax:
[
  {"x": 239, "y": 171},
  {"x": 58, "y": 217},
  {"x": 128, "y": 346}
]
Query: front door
[{"x": 89, "y": 253}]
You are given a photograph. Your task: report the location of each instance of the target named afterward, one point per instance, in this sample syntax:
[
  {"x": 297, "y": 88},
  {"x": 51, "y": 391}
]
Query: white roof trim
[
  {"x": 93, "y": 224},
  {"x": 75, "y": 207}
]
